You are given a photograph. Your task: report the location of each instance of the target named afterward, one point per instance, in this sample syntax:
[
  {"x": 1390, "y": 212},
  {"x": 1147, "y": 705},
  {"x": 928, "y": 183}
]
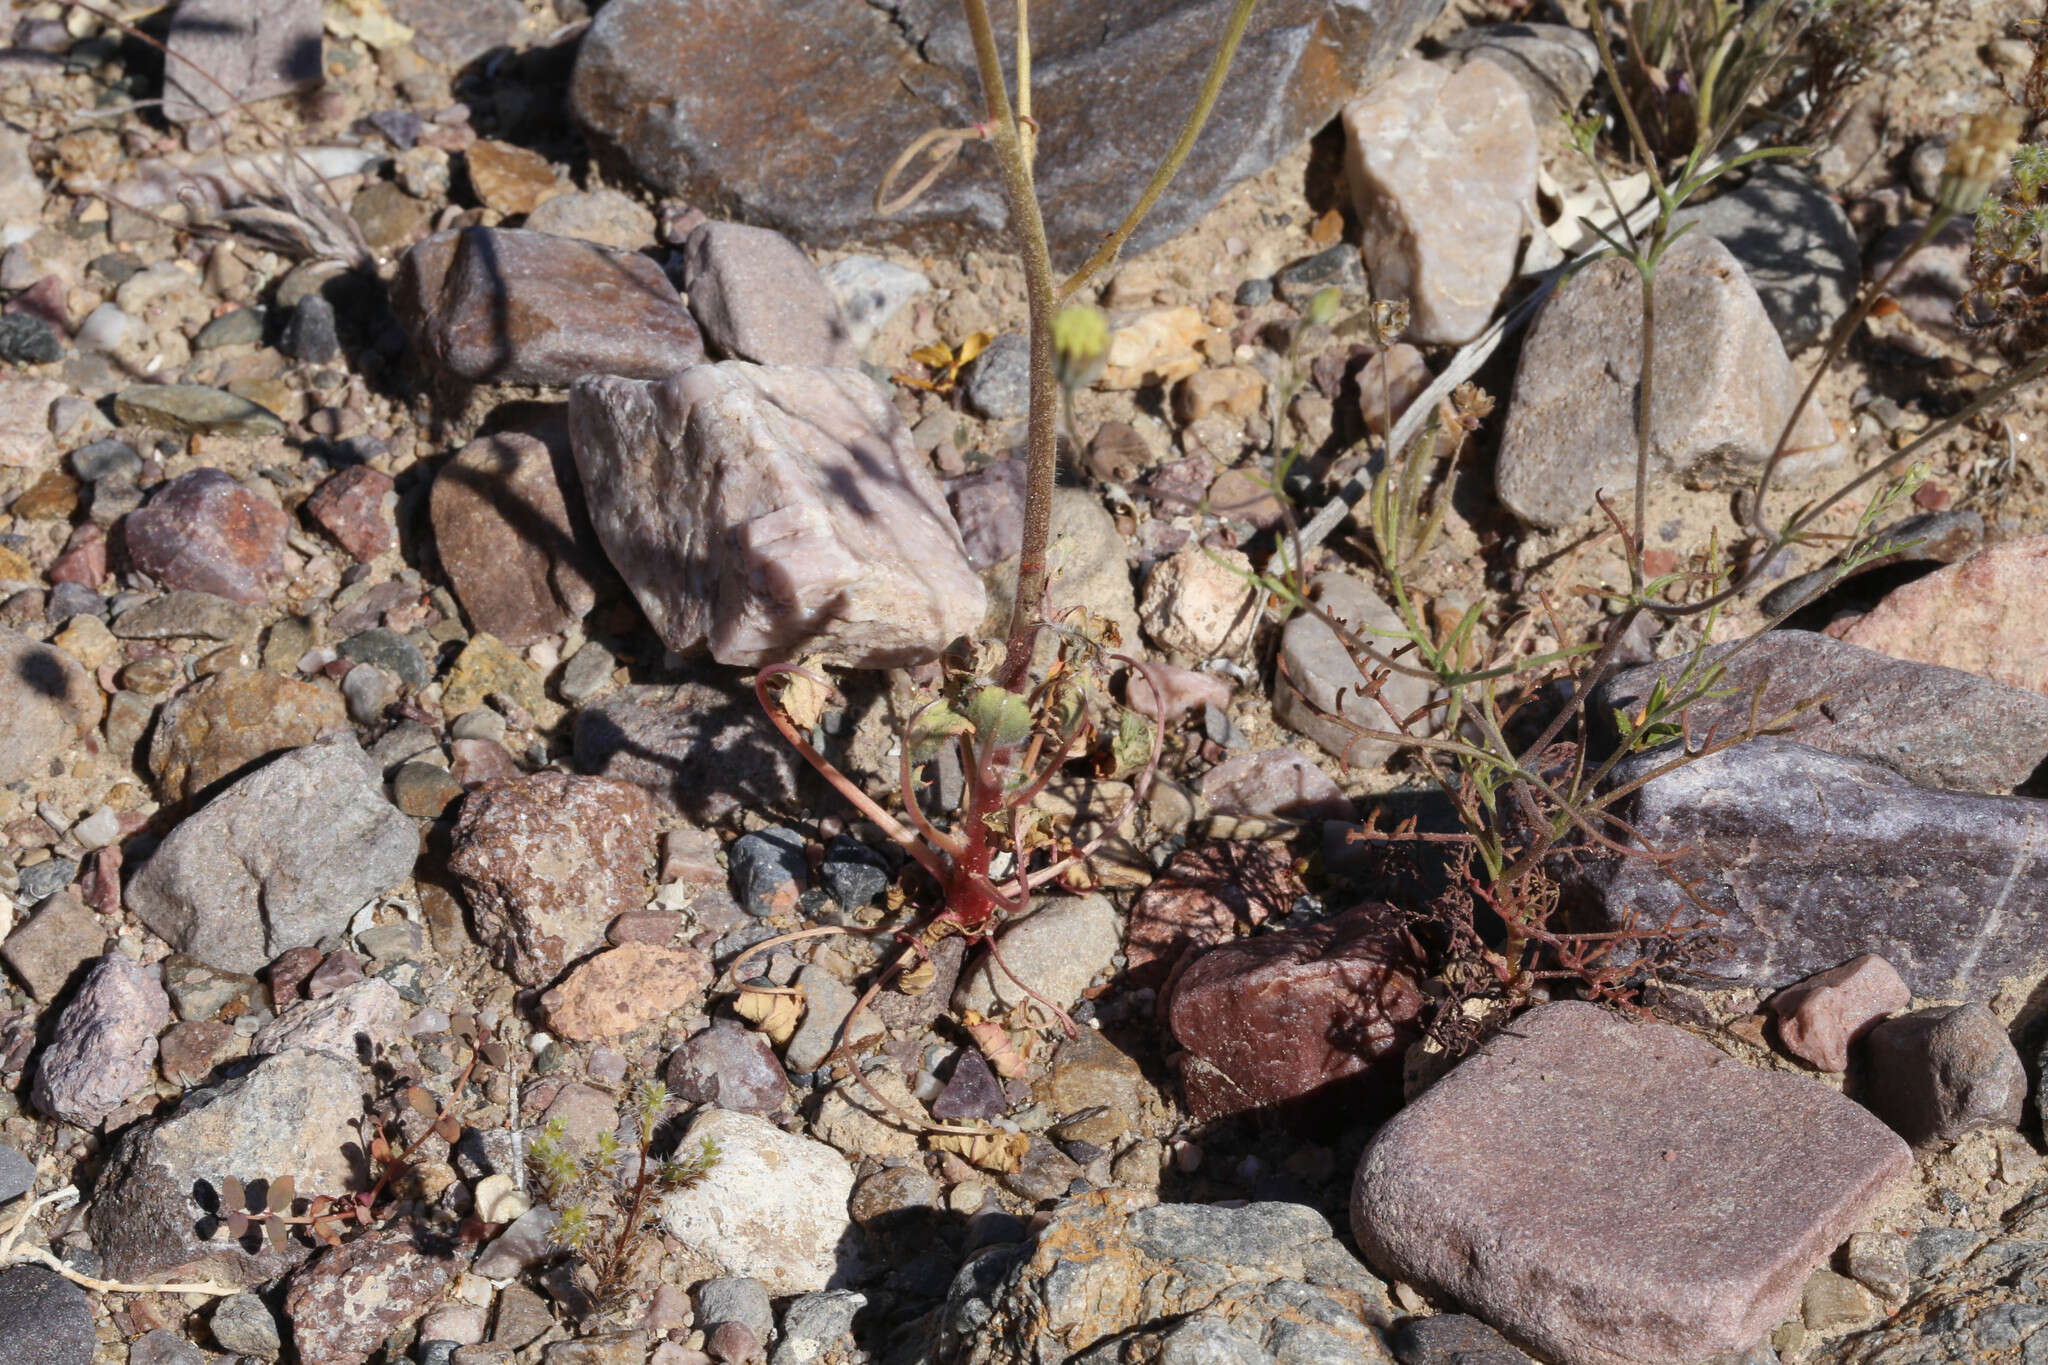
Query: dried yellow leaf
[
  {"x": 804, "y": 700},
  {"x": 998, "y": 1152},
  {"x": 774, "y": 1013},
  {"x": 995, "y": 1044}
]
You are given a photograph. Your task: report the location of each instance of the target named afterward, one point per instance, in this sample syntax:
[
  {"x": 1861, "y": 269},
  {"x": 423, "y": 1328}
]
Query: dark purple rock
[
  {"x": 1936, "y": 1074},
  {"x": 1939, "y": 727},
  {"x": 206, "y": 532},
  {"x": 1810, "y": 858},
  {"x": 1610, "y": 1193},
  {"x": 728, "y": 1066},
  {"x": 1110, "y": 82},
  {"x": 972, "y": 1092}
]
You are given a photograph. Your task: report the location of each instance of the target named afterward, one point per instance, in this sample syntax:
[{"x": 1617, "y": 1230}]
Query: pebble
[
  {"x": 624, "y": 988},
  {"x": 512, "y": 180},
  {"x": 1322, "y": 693},
  {"x": 1389, "y": 384},
  {"x": 47, "y": 702},
  {"x": 604, "y": 216},
  {"x": 106, "y": 329},
  {"x": 1796, "y": 245},
  {"x": 1571, "y": 427},
  {"x": 194, "y": 409},
  {"x": 739, "y": 1299},
  {"x": 1554, "y": 63},
  {"x": 1820, "y": 1017},
  {"x": 1274, "y": 782},
  {"x": 971, "y": 1092},
  {"x": 517, "y": 1249},
  {"x": 500, "y": 306},
  {"x": 26, "y": 339},
  {"x": 1452, "y": 1338},
  {"x": 359, "y": 1019},
  {"x": 354, "y": 505},
  {"x": 858, "y": 560},
  {"x": 827, "y": 1003},
  {"x": 1442, "y": 168},
  {"x": 769, "y": 870},
  {"x": 816, "y": 1324},
  {"x": 729, "y": 1067},
  {"x": 47, "y": 949},
  {"x": 45, "y": 1319},
  {"x": 587, "y": 673},
  {"x": 311, "y": 335},
  {"x": 104, "y": 1046},
  {"x": 205, "y": 532},
  {"x": 224, "y": 723},
  {"x": 424, "y": 791},
  {"x": 243, "y": 327},
  {"x": 1337, "y": 267},
  {"x": 389, "y": 651},
  {"x": 1056, "y": 949},
  {"x": 1740, "y": 1183},
  {"x": 1158, "y": 346},
  {"x": 855, "y": 874},
  {"x": 871, "y": 291},
  {"x": 1936, "y": 1074},
  {"x": 999, "y": 380},
  {"x": 1309, "y": 1024},
  {"x": 17, "y": 1173},
  {"x": 519, "y": 560},
  {"x": 774, "y": 1208},
  {"x": 307, "y": 839},
  {"x": 758, "y": 297},
  {"x": 546, "y": 862},
  {"x": 244, "y": 1324},
  {"x": 1208, "y": 895},
  {"x": 1199, "y": 603},
  {"x": 368, "y": 690}
]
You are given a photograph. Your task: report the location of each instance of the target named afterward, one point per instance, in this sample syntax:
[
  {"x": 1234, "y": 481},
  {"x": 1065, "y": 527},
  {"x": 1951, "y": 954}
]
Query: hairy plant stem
[{"x": 1042, "y": 430}]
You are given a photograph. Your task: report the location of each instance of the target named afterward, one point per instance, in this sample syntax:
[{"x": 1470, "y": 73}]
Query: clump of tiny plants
[{"x": 602, "y": 1194}]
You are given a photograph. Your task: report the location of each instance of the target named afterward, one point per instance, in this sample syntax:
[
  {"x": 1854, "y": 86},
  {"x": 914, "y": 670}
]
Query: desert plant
[{"x": 602, "y": 1196}]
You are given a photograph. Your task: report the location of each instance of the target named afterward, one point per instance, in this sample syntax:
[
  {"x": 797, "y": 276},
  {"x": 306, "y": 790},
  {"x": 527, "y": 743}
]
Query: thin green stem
[{"x": 1212, "y": 86}]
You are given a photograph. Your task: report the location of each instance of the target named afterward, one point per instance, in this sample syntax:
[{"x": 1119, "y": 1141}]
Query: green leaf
[
  {"x": 937, "y": 725},
  {"x": 999, "y": 716},
  {"x": 1131, "y": 749}
]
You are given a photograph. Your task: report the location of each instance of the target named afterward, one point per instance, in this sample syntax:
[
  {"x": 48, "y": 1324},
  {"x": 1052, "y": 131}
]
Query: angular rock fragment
[
  {"x": 1321, "y": 693},
  {"x": 759, "y": 298},
  {"x": 351, "y": 1297},
  {"x": 510, "y": 529},
  {"x": 1723, "y": 388},
  {"x": 206, "y": 532},
  {"x": 871, "y": 78},
  {"x": 1936, "y": 1074},
  {"x": 501, "y": 306},
  {"x": 774, "y": 1207},
  {"x": 1981, "y": 616},
  {"x": 1809, "y": 858},
  {"x": 1111, "y": 1275},
  {"x": 624, "y": 988},
  {"x": 1056, "y": 949},
  {"x": 104, "y": 1046},
  {"x": 224, "y": 51},
  {"x": 222, "y": 725},
  {"x": 769, "y": 510},
  {"x": 1936, "y": 726},
  {"x": 156, "y": 1209},
  {"x": 1554, "y": 63},
  {"x": 279, "y": 860},
  {"x": 1819, "y": 1018},
  {"x": 547, "y": 861},
  {"x": 1610, "y": 1193},
  {"x": 47, "y": 949},
  {"x": 1308, "y": 1024},
  {"x": 1441, "y": 165}
]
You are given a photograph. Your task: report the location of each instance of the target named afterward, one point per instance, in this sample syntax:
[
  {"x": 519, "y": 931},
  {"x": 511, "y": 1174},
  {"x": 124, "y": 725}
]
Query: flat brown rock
[{"x": 1611, "y": 1193}]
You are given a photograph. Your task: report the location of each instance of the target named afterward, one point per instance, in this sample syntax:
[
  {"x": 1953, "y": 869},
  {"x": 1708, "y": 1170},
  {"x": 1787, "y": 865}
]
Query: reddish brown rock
[
  {"x": 1982, "y": 616},
  {"x": 349, "y": 1298},
  {"x": 1611, "y": 1193},
  {"x": 509, "y": 539},
  {"x": 1311, "y": 1023},
  {"x": 1819, "y": 1018},
  {"x": 354, "y": 506},
  {"x": 84, "y": 558},
  {"x": 510, "y": 179},
  {"x": 193, "y": 1047},
  {"x": 204, "y": 531},
  {"x": 498, "y": 306},
  {"x": 623, "y": 988},
  {"x": 223, "y": 724},
  {"x": 1208, "y": 895},
  {"x": 547, "y": 861}
]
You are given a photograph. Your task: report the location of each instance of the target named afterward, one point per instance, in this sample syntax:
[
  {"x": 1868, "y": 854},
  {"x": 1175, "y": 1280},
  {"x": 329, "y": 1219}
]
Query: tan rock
[
  {"x": 1200, "y": 603},
  {"x": 511, "y": 179},
  {"x": 625, "y": 988},
  {"x": 1982, "y": 616},
  {"x": 1155, "y": 348}
]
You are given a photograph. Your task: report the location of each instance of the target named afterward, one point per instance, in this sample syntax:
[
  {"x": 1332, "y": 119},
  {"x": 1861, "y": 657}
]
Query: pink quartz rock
[
  {"x": 1982, "y": 616},
  {"x": 354, "y": 506},
  {"x": 770, "y": 510},
  {"x": 84, "y": 560},
  {"x": 1819, "y": 1017},
  {"x": 204, "y": 531},
  {"x": 1180, "y": 690}
]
